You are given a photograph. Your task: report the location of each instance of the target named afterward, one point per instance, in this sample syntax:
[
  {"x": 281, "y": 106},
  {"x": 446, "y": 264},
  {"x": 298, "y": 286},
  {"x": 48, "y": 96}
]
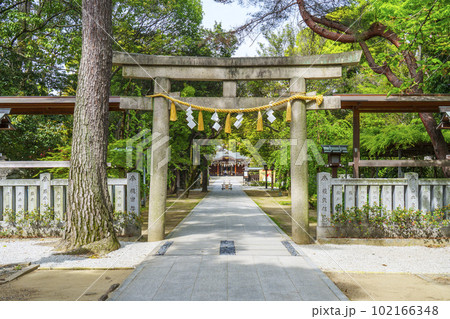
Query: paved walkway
[{"x": 193, "y": 268}]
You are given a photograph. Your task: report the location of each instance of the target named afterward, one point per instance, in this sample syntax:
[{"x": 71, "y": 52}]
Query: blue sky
[{"x": 231, "y": 15}]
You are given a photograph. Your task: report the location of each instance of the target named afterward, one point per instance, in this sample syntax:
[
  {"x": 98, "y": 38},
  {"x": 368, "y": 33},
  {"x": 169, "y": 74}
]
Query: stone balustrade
[
  {"x": 409, "y": 192},
  {"x": 20, "y": 195}
]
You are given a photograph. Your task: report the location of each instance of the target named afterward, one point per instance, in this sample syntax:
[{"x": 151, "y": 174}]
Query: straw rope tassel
[
  {"x": 288, "y": 112},
  {"x": 228, "y": 124},
  {"x": 173, "y": 112},
  {"x": 201, "y": 127},
  {"x": 259, "y": 126}
]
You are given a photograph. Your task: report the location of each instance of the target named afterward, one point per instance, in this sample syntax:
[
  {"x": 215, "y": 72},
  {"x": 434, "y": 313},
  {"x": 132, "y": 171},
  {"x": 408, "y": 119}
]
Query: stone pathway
[{"x": 198, "y": 261}]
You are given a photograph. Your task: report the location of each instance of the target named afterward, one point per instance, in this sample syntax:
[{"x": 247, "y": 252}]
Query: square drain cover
[{"x": 227, "y": 247}]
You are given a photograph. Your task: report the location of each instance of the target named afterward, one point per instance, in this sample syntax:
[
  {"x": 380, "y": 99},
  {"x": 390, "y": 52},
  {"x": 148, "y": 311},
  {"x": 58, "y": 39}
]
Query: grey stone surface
[
  {"x": 362, "y": 196},
  {"x": 58, "y": 201},
  {"x": 228, "y": 74},
  {"x": 32, "y": 198},
  {"x": 437, "y": 198},
  {"x": 262, "y": 269},
  {"x": 399, "y": 197},
  {"x": 323, "y": 199},
  {"x": 119, "y": 194},
  {"x": 337, "y": 197},
  {"x": 231, "y": 69},
  {"x": 299, "y": 165},
  {"x": 386, "y": 197},
  {"x": 412, "y": 191},
  {"x": 347, "y": 58},
  {"x": 349, "y": 197},
  {"x": 133, "y": 193},
  {"x": 229, "y": 88},
  {"x": 7, "y": 199},
  {"x": 45, "y": 191},
  {"x": 20, "y": 199},
  {"x": 425, "y": 198},
  {"x": 447, "y": 195},
  {"x": 159, "y": 161},
  {"x": 374, "y": 195}
]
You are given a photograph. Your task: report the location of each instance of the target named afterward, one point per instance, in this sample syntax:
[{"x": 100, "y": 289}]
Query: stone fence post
[
  {"x": 323, "y": 199},
  {"x": 412, "y": 191},
  {"x": 133, "y": 193},
  {"x": 45, "y": 191}
]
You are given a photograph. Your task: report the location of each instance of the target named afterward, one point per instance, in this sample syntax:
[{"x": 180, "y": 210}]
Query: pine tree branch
[
  {"x": 313, "y": 24},
  {"x": 11, "y": 6},
  {"x": 380, "y": 69}
]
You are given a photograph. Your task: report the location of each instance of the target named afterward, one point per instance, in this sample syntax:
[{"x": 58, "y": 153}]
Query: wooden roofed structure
[
  {"x": 380, "y": 103},
  {"x": 46, "y": 105}
]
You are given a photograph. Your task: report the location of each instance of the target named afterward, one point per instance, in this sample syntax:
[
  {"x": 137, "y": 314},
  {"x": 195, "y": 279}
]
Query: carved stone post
[
  {"x": 159, "y": 163},
  {"x": 299, "y": 166}
]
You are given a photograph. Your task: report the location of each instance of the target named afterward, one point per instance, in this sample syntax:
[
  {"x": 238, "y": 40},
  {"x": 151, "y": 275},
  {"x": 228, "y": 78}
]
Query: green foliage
[
  {"x": 375, "y": 222},
  {"x": 40, "y": 50},
  {"x": 423, "y": 27},
  {"x": 124, "y": 221},
  {"x": 46, "y": 224},
  {"x": 378, "y": 139},
  {"x": 36, "y": 137},
  {"x": 31, "y": 224}
]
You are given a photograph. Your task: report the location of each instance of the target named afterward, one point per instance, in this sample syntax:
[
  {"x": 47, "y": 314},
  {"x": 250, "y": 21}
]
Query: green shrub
[
  {"x": 45, "y": 224},
  {"x": 375, "y": 222},
  {"x": 31, "y": 224},
  {"x": 125, "y": 222}
]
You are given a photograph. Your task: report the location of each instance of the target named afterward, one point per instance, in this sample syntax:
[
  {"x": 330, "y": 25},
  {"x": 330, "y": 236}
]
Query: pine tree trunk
[
  {"x": 89, "y": 222},
  {"x": 437, "y": 139}
]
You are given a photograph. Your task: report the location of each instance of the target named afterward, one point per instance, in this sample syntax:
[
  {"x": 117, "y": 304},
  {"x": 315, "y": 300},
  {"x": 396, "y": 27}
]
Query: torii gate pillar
[
  {"x": 159, "y": 163},
  {"x": 299, "y": 166}
]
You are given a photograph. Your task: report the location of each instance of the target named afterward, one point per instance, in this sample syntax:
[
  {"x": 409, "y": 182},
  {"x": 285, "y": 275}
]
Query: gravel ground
[
  {"x": 361, "y": 258},
  {"x": 413, "y": 259},
  {"x": 39, "y": 251}
]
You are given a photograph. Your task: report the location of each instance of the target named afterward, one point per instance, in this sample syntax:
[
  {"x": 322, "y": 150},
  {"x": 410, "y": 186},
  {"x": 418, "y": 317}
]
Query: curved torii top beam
[{"x": 326, "y": 66}]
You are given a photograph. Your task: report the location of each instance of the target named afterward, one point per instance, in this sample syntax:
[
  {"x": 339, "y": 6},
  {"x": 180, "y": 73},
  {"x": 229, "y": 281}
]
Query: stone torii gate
[{"x": 164, "y": 69}]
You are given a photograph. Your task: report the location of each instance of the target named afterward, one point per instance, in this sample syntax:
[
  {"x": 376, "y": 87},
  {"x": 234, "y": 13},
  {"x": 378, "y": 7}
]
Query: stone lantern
[
  {"x": 445, "y": 122},
  {"x": 5, "y": 122},
  {"x": 334, "y": 157}
]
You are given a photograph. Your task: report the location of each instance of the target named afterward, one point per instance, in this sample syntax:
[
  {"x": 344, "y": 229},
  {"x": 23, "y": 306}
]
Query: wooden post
[
  {"x": 159, "y": 163},
  {"x": 271, "y": 177},
  {"x": 299, "y": 166},
  {"x": 265, "y": 174},
  {"x": 356, "y": 144}
]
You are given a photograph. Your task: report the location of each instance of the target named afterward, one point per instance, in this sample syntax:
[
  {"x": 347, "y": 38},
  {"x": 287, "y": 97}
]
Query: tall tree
[
  {"x": 89, "y": 216},
  {"x": 338, "y": 31}
]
